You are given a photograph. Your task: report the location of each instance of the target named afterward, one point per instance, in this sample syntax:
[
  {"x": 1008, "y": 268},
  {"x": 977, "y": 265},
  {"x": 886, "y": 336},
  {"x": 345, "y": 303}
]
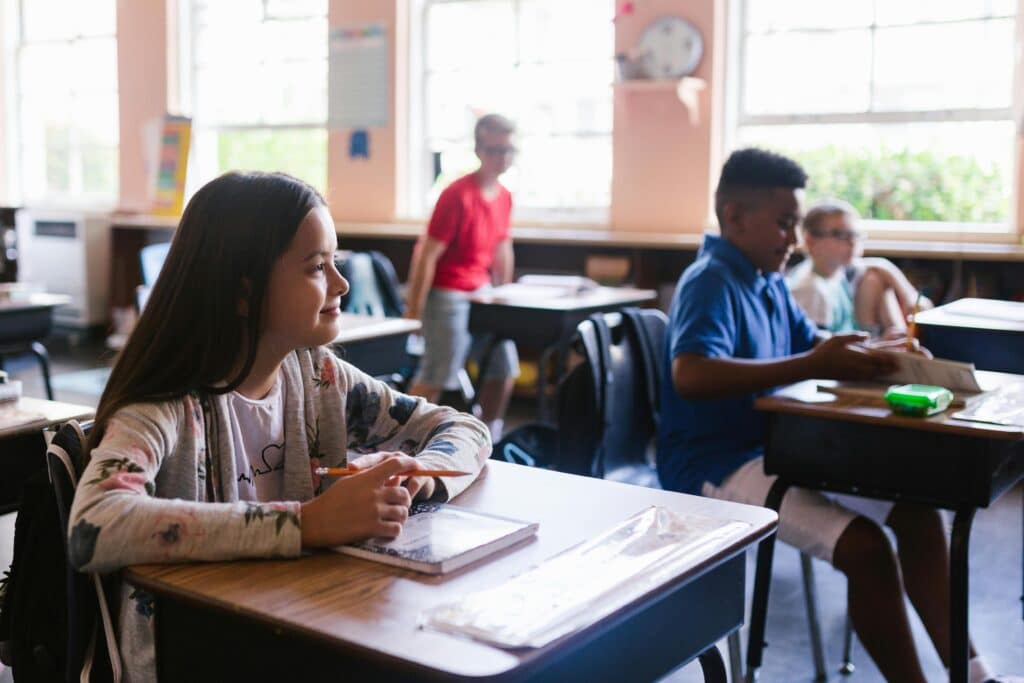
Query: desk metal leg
[
  {"x": 958, "y": 596},
  {"x": 762, "y": 582},
  {"x": 712, "y": 665},
  {"x": 39, "y": 351}
]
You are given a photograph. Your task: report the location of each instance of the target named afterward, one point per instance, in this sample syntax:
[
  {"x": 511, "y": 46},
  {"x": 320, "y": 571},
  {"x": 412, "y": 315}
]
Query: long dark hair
[{"x": 191, "y": 335}]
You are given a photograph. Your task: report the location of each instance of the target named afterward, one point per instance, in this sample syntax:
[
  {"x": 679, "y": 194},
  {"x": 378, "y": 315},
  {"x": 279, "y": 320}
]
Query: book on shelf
[{"x": 439, "y": 538}]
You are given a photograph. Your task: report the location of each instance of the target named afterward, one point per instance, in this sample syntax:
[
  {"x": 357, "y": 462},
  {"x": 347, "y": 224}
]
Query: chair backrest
[
  {"x": 151, "y": 259},
  {"x": 65, "y": 462},
  {"x": 364, "y": 294},
  {"x": 608, "y": 405}
]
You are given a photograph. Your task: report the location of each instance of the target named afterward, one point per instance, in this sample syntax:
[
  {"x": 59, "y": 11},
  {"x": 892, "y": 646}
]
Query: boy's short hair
[
  {"x": 748, "y": 172},
  {"x": 492, "y": 123},
  {"x": 816, "y": 215}
]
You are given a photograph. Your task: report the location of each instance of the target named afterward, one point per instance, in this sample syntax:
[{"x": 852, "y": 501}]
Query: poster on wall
[
  {"x": 358, "y": 81},
  {"x": 169, "y": 196}
]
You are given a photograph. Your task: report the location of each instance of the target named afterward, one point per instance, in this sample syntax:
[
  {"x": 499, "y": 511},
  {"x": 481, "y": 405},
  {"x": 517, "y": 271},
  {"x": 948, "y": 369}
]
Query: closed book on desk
[{"x": 439, "y": 538}]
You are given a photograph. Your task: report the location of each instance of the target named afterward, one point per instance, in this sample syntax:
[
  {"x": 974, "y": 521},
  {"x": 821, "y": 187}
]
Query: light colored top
[
  {"x": 371, "y": 610},
  {"x": 161, "y": 485},
  {"x": 257, "y": 436},
  {"x": 828, "y": 301}
]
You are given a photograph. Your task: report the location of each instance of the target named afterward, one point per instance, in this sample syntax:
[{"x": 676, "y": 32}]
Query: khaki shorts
[
  {"x": 810, "y": 521},
  {"x": 447, "y": 342}
]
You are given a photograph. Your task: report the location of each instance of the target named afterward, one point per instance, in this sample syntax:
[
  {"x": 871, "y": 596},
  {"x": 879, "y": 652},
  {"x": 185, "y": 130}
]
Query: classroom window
[
  {"x": 902, "y": 107},
  {"x": 257, "y": 87},
  {"x": 66, "y": 111},
  {"x": 548, "y": 66}
]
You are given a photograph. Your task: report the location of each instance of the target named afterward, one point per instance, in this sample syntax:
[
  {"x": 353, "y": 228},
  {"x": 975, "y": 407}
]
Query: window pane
[
  {"x": 775, "y": 15},
  {"x": 99, "y": 170},
  {"x": 807, "y": 72},
  {"x": 547, "y": 65},
  {"x": 565, "y": 30},
  {"x": 301, "y": 153},
  {"x": 565, "y": 98},
  {"x": 296, "y": 8},
  {"x": 942, "y": 66},
  {"x": 471, "y": 32},
  {"x": 44, "y": 67},
  {"x": 456, "y": 99},
  {"x": 916, "y": 11},
  {"x": 255, "y": 68},
  {"x": 916, "y": 171},
  {"x": 563, "y": 173},
  {"x": 94, "y": 66}
]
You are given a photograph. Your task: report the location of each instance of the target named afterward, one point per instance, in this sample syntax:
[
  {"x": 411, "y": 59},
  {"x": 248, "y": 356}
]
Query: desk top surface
[
  {"x": 357, "y": 327},
  {"x": 22, "y": 301},
  {"x": 977, "y": 314},
  {"x": 51, "y": 412},
  {"x": 373, "y": 608},
  {"x": 596, "y": 298},
  {"x": 804, "y": 399}
]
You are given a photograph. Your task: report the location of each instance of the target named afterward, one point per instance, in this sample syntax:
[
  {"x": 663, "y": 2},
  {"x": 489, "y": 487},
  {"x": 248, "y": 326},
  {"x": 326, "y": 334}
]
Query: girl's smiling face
[{"x": 304, "y": 289}]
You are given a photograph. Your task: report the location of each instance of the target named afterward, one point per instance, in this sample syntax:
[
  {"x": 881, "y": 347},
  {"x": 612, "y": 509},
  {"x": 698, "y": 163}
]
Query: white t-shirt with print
[{"x": 257, "y": 434}]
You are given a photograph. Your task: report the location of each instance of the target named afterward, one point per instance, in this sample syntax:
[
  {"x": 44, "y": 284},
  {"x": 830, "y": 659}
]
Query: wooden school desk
[
  {"x": 857, "y": 445},
  {"x": 374, "y": 345},
  {"x": 545, "y": 326},
  {"x": 971, "y": 330},
  {"x": 328, "y": 616},
  {"x": 26, "y": 319},
  {"x": 22, "y": 446}
]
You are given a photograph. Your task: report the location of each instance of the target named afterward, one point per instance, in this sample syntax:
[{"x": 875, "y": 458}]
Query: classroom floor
[{"x": 996, "y": 622}]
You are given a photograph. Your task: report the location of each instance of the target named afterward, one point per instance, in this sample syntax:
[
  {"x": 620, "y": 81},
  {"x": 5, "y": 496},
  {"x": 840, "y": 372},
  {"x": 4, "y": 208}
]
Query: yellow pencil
[
  {"x": 912, "y": 330},
  {"x": 346, "y": 471}
]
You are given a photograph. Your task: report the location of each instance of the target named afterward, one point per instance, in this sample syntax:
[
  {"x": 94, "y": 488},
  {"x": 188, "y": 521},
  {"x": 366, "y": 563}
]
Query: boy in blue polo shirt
[{"x": 734, "y": 334}]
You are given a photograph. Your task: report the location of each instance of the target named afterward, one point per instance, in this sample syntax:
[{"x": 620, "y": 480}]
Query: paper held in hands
[{"x": 913, "y": 368}]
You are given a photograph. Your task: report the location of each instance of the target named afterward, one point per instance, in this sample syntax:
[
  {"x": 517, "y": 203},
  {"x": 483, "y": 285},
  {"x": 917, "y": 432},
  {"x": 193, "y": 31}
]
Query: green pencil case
[{"x": 918, "y": 400}]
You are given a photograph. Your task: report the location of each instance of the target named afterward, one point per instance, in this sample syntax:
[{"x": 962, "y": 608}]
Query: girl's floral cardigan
[{"x": 161, "y": 486}]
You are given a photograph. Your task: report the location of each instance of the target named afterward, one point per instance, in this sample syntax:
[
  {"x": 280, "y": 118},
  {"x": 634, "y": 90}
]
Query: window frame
[{"x": 737, "y": 118}]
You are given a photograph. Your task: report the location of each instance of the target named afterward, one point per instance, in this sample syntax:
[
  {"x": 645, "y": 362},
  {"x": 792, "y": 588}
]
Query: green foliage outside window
[
  {"x": 908, "y": 185},
  {"x": 301, "y": 152}
]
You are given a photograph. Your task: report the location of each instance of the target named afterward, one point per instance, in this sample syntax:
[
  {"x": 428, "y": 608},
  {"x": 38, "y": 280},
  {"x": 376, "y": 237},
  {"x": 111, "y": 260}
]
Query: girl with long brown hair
[{"x": 225, "y": 400}]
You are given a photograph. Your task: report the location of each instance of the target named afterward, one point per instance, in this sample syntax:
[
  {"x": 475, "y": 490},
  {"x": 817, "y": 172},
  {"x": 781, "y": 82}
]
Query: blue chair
[{"x": 151, "y": 260}]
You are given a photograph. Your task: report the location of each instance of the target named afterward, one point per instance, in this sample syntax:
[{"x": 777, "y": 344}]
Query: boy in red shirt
[{"x": 465, "y": 250}]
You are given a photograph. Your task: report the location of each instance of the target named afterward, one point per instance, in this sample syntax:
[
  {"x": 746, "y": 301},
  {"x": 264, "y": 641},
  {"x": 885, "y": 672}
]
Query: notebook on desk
[{"x": 439, "y": 538}]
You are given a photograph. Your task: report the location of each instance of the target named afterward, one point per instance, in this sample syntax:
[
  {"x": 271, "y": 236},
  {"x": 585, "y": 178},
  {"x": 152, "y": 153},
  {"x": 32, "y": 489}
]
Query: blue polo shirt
[{"x": 723, "y": 307}]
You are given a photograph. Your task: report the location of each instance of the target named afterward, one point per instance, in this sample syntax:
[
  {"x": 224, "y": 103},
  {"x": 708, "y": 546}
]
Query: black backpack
[
  {"x": 607, "y": 405},
  {"x": 48, "y": 611}
]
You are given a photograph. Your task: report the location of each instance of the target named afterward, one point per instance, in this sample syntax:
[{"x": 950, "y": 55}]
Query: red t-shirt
[{"x": 472, "y": 227}]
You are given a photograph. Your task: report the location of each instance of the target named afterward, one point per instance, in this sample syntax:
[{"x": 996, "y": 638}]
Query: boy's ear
[
  {"x": 733, "y": 214},
  {"x": 244, "y": 292}
]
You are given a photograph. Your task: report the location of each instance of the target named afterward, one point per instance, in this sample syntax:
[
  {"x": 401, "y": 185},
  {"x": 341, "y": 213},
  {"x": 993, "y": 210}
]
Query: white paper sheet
[
  {"x": 914, "y": 368},
  {"x": 1003, "y": 406},
  {"x": 358, "y": 78}
]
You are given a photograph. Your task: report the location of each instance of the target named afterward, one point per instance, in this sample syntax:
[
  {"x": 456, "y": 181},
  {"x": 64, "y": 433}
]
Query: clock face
[{"x": 670, "y": 47}]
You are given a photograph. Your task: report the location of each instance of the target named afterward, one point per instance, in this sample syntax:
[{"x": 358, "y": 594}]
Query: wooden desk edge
[
  {"x": 147, "y": 578},
  {"x": 945, "y": 424}
]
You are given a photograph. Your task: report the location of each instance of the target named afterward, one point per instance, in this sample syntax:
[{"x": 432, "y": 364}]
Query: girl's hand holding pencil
[{"x": 369, "y": 503}]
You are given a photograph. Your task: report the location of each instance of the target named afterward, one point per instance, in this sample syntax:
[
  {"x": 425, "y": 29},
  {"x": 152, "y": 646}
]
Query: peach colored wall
[
  {"x": 142, "y": 86},
  {"x": 662, "y": 165},
  {"x": 366, "y": 189},
  {"x": 5, "y": 143}
]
